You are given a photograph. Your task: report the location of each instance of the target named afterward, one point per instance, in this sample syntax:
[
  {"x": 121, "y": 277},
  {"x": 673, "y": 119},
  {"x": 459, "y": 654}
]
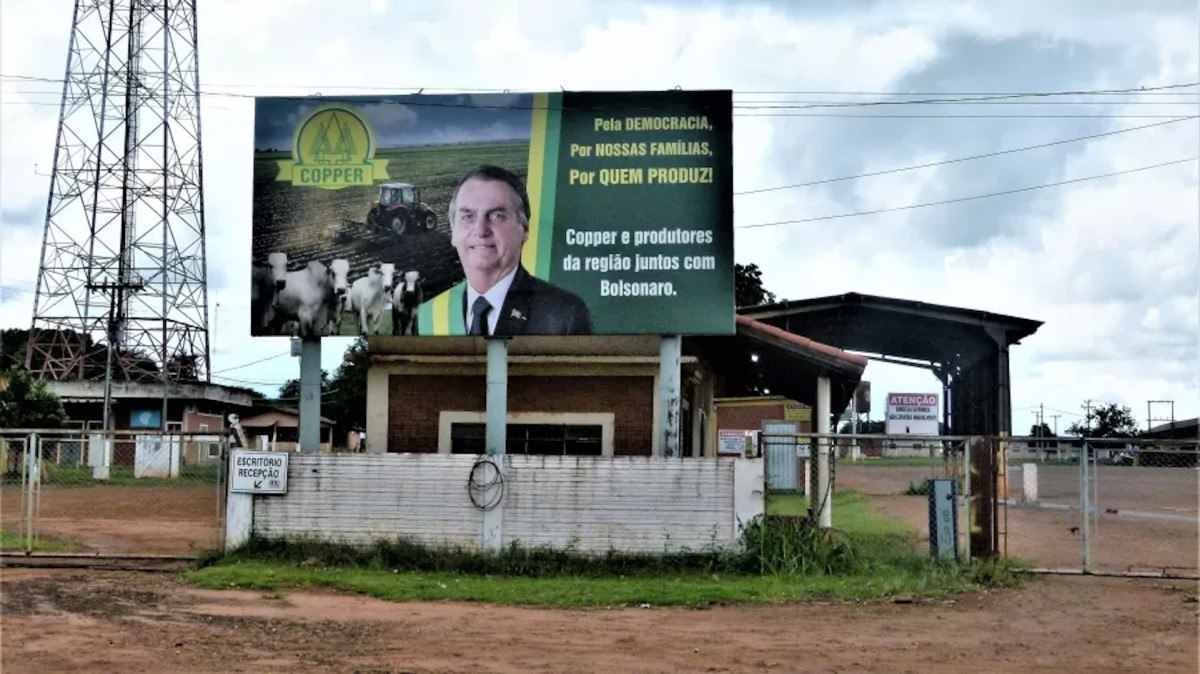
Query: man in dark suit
[{"x": 489, "y": 224}]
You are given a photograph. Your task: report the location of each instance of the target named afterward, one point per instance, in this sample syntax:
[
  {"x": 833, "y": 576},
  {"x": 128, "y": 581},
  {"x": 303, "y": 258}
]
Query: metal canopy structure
[{"x": 967, "y": 349}]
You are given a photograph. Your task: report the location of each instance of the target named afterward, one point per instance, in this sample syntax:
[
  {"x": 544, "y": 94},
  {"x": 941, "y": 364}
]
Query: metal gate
[
  {"x": 1113, "y": 505},
  {"x": 111, "y": 493}
]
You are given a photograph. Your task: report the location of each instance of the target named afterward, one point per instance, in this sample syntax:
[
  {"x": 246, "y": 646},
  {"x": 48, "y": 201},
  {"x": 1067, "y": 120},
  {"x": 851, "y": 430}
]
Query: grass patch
[
  {"x": 14, "y": 541},
  {"x": 867, "y": 557},
  {"x": 578, "y": 592}
]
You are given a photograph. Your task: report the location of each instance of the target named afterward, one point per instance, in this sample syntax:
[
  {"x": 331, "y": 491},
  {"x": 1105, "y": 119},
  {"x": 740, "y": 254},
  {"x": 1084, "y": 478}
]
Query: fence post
[
  {"x": 239, "y": 514},
  {"x": 1084, "y": 527},
  {"x": 26, "y": 499},
  {"x": 964, "y": 531},
  {"x": 33, "y": 455},
  {"x": 822, "y": 498}
]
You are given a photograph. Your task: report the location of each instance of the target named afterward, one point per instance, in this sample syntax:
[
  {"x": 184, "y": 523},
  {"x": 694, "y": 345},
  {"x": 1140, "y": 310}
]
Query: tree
[
  {"x": 12, "y": 348},
  {"x": 290, "y": 391},
  {"x": 1107, "y": 421},
  {"x": 344, "y": 395},
  {"x": 1041, "y": 431},
  {"x": 347, "y": 401},
  {"x": 748, "y": 286},
  {"x": 25, "y": 402}
]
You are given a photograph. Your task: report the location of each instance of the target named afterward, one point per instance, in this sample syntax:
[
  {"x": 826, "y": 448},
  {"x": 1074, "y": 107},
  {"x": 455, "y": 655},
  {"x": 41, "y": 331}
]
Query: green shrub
[{"x": 791, "y": 545}]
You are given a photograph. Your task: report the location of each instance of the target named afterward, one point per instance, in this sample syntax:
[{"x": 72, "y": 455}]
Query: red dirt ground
[
  {"x": 151, "y": 622},
  {"x": 109, "y": 519}
]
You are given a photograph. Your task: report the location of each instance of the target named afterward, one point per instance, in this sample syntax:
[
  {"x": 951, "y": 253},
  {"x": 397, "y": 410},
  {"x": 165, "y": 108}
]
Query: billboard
[
  {"x": 911, "y": 414},
  {"x": 498, "y": 214}
]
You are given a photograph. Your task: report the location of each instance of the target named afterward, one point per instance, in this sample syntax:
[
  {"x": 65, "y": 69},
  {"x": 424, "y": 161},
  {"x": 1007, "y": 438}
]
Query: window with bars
[{"x": 539, "y": 439}]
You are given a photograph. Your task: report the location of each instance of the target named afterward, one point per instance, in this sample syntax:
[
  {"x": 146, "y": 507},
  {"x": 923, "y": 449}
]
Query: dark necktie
[{"x": 479, "y": 316}]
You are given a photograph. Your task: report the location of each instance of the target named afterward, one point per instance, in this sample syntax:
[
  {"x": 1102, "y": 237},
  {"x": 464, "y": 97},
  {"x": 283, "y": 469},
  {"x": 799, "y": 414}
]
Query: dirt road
[{"x": 147, "y": 622}]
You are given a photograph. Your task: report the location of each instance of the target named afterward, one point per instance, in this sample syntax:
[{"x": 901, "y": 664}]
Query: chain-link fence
[
  {"x": 870, "y": 478},
  {"x": 1105, "y": 505},
  {"x": 1025, "y": 498},
  {"x": 110, "y": 493}
]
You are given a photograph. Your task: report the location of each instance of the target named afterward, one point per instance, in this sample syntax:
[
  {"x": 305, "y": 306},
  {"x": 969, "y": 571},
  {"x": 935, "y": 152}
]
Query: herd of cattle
[{"x": 310, "y": 302}]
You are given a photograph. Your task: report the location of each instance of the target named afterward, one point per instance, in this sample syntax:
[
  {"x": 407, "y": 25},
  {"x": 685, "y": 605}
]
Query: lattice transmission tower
[{"x": 123, "y": 255}]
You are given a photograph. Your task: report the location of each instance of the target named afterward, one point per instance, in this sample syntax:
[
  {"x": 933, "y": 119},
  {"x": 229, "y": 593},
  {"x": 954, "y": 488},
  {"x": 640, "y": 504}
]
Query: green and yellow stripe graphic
[{"x": 439, "y": 316}]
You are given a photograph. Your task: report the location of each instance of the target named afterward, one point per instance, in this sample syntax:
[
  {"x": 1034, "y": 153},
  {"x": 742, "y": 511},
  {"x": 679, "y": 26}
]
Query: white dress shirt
[{"x": 495, "y": 297}]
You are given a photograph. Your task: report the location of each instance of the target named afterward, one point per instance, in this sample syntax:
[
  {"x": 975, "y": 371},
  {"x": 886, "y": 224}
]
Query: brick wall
[
  {"x": 415, "y": 401},
  {"x": 750, "y": 417}
]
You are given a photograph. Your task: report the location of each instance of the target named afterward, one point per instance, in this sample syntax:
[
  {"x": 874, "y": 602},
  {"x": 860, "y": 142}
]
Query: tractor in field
[{"x": 401, "y": 210}]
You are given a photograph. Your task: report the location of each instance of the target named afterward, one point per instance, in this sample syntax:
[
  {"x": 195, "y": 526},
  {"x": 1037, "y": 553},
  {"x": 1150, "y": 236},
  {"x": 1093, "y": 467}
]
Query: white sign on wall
[
  {"x": 258, "y": 472},
  {"x": 736, "y": 442},
  {"x": 911, "y": 414}
]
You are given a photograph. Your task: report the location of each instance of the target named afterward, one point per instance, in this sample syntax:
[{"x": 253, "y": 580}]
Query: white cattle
[
  {"x": 406, "y": 300},
  {"x": 369, "y": 296},
  {"x": 341, "y": 282},
  {"x": 305, "y": 296}
]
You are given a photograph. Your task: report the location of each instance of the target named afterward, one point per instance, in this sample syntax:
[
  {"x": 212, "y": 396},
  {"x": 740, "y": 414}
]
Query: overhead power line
[
  {"x": 1152, "y": 90},
  {"x": 253, "y": 362},
  {"x": 974, "y": 197},
  {"x": 966, "y": 96},
  {"x": 962, "y": 159},
  {"x": 745, "y": 115},
  {"x": 968, "y": 99},
  {"x": 252, "y": 382},
  {"x": 947, "y": 116}
]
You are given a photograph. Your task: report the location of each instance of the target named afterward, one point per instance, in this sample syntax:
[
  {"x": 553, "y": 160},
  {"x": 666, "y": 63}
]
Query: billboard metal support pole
[
  {"x": 669, "y": 355},
  {"x": 310, "y": 396},
  {"x": 497, "y": 397},
  {"x": 496, "y": 437}
]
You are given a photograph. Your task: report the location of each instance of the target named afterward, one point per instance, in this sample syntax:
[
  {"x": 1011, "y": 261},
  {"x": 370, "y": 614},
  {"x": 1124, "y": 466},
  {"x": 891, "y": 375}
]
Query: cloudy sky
[{"x": 1109, "y": 264}]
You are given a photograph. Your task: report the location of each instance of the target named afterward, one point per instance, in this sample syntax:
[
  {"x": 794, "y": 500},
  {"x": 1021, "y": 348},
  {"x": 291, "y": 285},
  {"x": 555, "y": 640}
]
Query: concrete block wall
[{"x": 592, "y": 504}]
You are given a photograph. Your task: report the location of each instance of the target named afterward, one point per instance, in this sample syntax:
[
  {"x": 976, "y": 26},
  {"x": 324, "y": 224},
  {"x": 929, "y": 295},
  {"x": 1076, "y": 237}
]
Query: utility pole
[
  {"x": 1055, "y": 418},
  {"x": 1087, "y": 408}
]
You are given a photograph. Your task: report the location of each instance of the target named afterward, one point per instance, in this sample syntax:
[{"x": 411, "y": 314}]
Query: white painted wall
[
  {"x": 359, "y": 498},
  {"x": 592, "y": 504}
]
